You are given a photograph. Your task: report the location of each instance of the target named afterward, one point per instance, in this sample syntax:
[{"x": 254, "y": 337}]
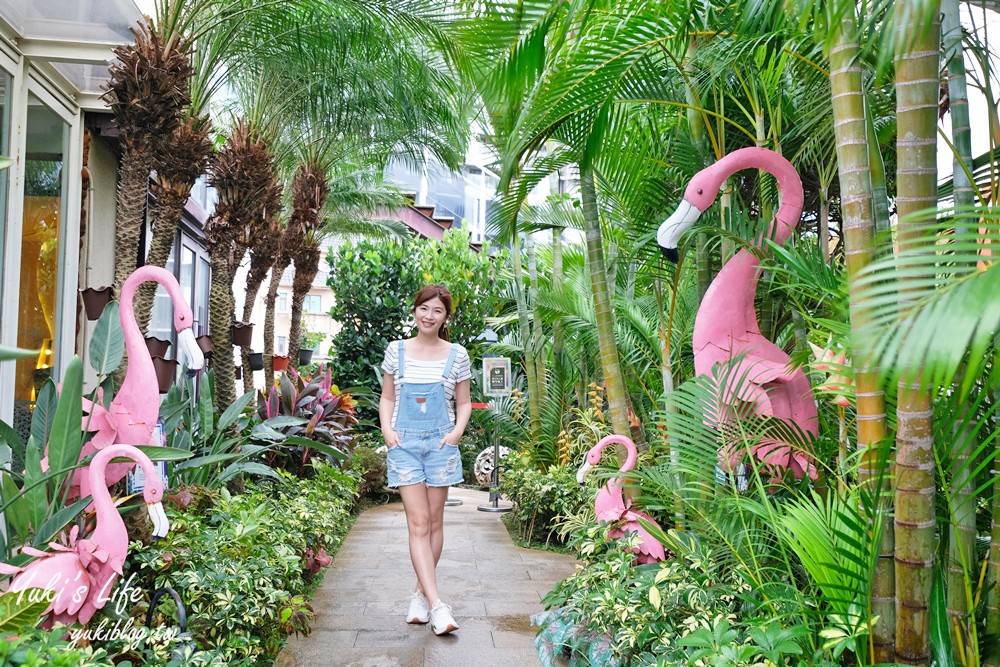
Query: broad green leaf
[
  {"x": 201, "y": 461},
  {"x": 16, "y": 515},
  {"x": 250, "y": 468},
  {"x": 22, "y": 610},
  {"x": 107, "y": 347},
  {"x": 333, "y": 452},
  {"x": 206, "y": 411},
  {"x": 284, "y": 420},
  {"x": 57, "y": 522},
  {"x": 233, "y": 412},
  {"x": 36, "y": 495},
  {"x": 654, "y": 597},
  {"x": 44, "y": 413},
  {"x": 11, "y": 353},
  {"x": 10, "y": 437},
  {"x": 66, "y": 438}
]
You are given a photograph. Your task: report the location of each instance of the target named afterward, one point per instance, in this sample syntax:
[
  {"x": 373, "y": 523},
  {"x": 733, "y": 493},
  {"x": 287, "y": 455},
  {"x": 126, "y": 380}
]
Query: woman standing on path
[{"x": 424, "y": 409}]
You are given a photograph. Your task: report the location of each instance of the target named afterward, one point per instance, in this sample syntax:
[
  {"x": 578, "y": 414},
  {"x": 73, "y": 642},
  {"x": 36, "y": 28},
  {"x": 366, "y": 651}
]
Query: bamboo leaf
[{"x": 941, "y": 651}]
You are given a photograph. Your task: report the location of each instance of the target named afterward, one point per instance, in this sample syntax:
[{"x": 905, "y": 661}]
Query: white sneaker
[
  {"x": 442, "y": 622},
  {"x": 418, "y": 612}
]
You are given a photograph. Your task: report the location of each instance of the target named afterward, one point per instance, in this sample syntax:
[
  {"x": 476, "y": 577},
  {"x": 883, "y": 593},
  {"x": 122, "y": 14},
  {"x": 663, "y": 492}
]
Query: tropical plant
[{"x": 314, "y": 416}]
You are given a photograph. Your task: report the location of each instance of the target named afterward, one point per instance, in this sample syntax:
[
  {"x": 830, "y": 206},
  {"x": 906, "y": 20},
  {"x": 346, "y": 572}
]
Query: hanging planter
[
  {"x": 242, "y": 333},
  {"x": 256, "y": 361},
  {"x": 157, "y": 346},
  {"x": 305, "y": 357},
  {"x": 239, "y": 372},
  {"x": 205, "y": 343},
  {"x": 94, "y": 300},
  {"x": 280, "y": 362},
  {"x": 166, "y": 371}
]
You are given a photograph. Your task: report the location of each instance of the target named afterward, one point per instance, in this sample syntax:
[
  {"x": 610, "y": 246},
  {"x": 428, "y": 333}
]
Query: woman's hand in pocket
[
  {"x": 450, "y": 438},
  {"x": 391, "y": 438}
]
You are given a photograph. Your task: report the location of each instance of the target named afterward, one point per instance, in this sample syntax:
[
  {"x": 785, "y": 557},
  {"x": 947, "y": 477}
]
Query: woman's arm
[
  {"x": 463, "y": 411},
  {"x": 386, "y": 404}
]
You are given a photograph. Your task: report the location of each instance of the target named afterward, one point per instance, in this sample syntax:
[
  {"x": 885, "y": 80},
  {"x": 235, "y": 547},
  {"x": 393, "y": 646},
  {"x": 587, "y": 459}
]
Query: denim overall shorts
[{"x": 421, "y": 421}]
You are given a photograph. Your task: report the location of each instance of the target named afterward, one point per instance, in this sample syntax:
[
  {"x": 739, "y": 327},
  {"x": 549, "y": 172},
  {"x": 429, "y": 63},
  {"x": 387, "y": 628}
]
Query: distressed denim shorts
[{"x": 419, "y": 458}]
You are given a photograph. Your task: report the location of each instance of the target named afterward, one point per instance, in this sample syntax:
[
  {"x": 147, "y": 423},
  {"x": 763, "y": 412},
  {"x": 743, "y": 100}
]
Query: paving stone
[{"x": 492, "y": 585}]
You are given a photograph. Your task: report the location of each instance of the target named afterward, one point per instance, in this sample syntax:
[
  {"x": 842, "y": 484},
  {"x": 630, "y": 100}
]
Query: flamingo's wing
[{"x": 648, "y": 546}]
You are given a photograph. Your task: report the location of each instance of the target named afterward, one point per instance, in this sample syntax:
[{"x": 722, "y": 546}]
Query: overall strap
[
  {"x": 451, "y": 360},
  {"x": 399, "y": 361}
]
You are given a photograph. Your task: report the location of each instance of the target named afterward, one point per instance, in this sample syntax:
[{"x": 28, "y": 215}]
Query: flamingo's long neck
[
  {"x": 110, "y": 526},
  {"x": 135, "y": 344},
  {"x": 736, "y": 283}
]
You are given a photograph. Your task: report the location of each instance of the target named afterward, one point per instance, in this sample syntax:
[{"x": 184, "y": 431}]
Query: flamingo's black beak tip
[{"x": 671, "y": 254}]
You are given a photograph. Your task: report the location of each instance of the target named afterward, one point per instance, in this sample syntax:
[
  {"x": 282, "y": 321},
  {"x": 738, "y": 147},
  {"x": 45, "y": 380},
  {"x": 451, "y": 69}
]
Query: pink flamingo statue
[
  {"x": 726, "y": 331},
  {"x": 80, "y": 575},
  {"x": 133, "y": 412},
  {"x": 611, "y": 506}
]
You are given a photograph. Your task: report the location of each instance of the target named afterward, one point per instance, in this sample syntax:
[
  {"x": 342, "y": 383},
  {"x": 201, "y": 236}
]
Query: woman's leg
[
  {"x": 416, "y": 503},
  {"x": 436, "y": 495}
]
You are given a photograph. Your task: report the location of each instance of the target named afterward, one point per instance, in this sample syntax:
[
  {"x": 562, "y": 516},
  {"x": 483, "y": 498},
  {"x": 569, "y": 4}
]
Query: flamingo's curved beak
[
  {"x": 669, "y": 234},
  {"x": 582, "y": 472},
  {"x": 159, "y": 518},
  {"x": 190, "y": 353}
]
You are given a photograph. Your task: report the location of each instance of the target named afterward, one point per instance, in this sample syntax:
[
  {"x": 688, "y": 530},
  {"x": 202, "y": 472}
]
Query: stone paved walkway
[{"x": 491, "y": 584}]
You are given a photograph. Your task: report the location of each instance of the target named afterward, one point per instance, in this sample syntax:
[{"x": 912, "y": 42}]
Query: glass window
[
  {"x": 282, "y": 345},
  {"x": 312, "y": 304},
  {"x": 282, "y": 302},
  {"x": 44, "y": 184},
  {"x": 202, "y": 288},
  {"x": 161, "y": 322}
]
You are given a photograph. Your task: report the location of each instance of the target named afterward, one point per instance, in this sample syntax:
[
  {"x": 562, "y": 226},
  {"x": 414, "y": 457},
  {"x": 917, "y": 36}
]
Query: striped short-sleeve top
[{"x": 416, "y": 371}]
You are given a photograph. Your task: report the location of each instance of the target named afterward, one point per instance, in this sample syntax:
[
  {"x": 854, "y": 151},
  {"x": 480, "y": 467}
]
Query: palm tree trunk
[
  {"x": 992, "y": 657},
  {"x": 537, "y": 340},
  {"x": 221, "y": 307},
  {"x": 558, "y": 342},
  {"x": 824, "y": 223},
  {"x": 306, "y": 268},
  {"x": 133, "y": 185},
  {"x": 917, "y": 86},
  {"x": 610, "y": 366},
  {"x": 527, "y": 342},
  {"x": 962, "y": 536},
  {"x": 272, "y": 294},
  {"x": 853, "y": 156},
  {"x": 254, "y": 281}
]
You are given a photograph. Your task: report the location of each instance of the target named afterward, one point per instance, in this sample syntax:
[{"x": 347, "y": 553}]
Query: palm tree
[
  {"x": 244, "y": 177},
  {"x": 147, "y": 92}
]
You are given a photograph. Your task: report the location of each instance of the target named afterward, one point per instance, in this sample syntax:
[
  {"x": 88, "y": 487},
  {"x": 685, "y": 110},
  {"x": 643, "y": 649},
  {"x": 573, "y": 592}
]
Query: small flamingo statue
[
  {"x": 81, "y": 574},
  {"x": 611, "y": 506}
]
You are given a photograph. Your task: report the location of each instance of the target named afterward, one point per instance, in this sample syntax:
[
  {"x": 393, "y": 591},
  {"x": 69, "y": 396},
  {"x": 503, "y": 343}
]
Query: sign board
[
  {"x": 496, "y": 376},
  {"x": 136, "y": 479}
]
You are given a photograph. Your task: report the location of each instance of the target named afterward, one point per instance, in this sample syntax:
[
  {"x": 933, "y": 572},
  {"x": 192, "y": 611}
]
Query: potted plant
[
  {"x": 242, "y": 333},
  {"x": 308, "y": 343}
]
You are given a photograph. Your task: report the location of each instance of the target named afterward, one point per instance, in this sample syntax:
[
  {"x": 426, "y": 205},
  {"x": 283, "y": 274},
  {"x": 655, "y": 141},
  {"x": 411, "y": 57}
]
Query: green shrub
[
  {"x": 541, "y": 497},
  {"x": 369, "y": 463},
  {"x": 242, "y": 566},
  {"x": 41, "y": 648}
]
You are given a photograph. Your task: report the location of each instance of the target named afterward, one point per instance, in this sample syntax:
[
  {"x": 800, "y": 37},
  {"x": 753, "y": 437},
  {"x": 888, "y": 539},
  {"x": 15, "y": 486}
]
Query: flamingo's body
[
  {"x": 81, "y": 574},
  {"x": 611, "y": 505},
  {"x": 726, "y": 331},
  {"x": 132, "y": 414}
]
